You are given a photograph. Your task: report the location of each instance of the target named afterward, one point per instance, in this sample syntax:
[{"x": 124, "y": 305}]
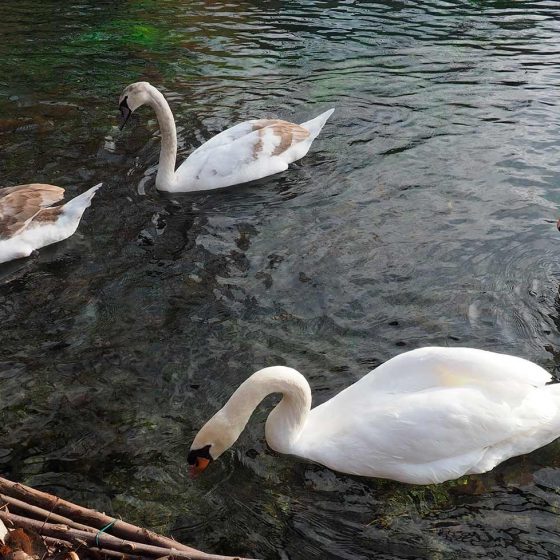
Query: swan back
[
  {"x": 20, "y": 204},
  {"x": 433, "y": 367}
]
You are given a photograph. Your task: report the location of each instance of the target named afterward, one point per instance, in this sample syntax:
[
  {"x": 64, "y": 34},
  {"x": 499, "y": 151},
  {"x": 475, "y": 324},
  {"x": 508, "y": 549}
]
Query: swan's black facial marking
[
  {"x": 125, "y": 112},
  {"x": 203, "y": 452},
  {"x": 199, "y": 459}
]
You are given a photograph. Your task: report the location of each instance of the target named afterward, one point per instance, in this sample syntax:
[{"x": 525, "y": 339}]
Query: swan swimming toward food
[
  {"x": 425, "y": 416},
  {"x": 245, "y": 152},
  {"x": 28, "y": 221}
]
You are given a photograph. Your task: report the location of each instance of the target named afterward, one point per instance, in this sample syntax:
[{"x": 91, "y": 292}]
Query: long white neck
[
  {"x": 286, "y": 421},
  {"x": 165, "y": 179}
]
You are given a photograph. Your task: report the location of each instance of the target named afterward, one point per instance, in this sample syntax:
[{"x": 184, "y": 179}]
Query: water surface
[{"x": 421, "y": 216}]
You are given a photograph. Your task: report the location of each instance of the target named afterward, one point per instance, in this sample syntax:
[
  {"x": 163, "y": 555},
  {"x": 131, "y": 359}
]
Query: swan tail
[
  {"x": 554, "y": 391},
  {"x": 315, "y": 125},
  {"x": 538, "y": 424},
  {"x": 76, "y": 207}
]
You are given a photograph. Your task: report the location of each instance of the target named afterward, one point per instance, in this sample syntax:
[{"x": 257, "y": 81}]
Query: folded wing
[
  {"x": 245, "y": 152},
  {"x": 20, "y": 204}
]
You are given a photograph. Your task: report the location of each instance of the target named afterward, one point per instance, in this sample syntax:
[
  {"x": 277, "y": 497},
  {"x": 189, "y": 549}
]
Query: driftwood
[
  {"x": 102, "y": 540},
  {"x": 40, "y": 513},
  {"x": 88, "y": 516},
  {"x": 59, "y": 543},
  {"x": 63, "y": 523}
]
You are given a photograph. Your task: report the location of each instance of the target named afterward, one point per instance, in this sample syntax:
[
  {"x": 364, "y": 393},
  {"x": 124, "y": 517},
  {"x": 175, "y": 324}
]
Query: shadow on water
[{"x": 421, "y": 216}]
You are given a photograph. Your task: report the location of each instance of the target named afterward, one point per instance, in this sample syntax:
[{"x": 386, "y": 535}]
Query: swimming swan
[
  {"x": 245, "y": 152},
  {"x": 425, "y": 416},
  {"x": 27, "y": 223}
]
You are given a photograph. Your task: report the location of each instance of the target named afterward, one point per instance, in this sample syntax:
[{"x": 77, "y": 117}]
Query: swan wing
[
  {"x": 239, "y": 131},
  {"x": 244, "y": 153},
  {"x": 432, "y": 367},
  {"x": 227, "y": 136},
  {"x": 426, "y": 436},
  {"x": 20, "y": 204}
]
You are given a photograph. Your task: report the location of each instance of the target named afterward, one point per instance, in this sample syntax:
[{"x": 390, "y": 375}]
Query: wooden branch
[
  {"x": 90, "y": 517},
  {"x": 59, "y": 542},
  {"x": 103, "y": 540},
  {"x": 43, "y": 514}
]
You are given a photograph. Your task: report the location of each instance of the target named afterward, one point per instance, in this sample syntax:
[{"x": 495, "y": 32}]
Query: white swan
[
  {"x": 27, "y": 223},
  {"x": 244, "y": 152},
  {"x": 425, "y": 416}
]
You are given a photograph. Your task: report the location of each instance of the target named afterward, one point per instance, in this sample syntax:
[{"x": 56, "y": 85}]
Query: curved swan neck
[
  {"x": 286, "y": 421},
  {"x": 168, "y": 154}
]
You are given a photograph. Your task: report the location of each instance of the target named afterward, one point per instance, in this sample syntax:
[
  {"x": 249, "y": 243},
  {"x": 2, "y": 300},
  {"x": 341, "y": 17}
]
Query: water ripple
[{"x": 424, "y": 214}]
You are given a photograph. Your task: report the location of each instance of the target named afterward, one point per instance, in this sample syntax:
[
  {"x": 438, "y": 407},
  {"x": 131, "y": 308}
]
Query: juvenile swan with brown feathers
[
  {"x": 28, "y": 221},
  {"x": 245, "y": 152},
  {"x": 425, "y": 416}
]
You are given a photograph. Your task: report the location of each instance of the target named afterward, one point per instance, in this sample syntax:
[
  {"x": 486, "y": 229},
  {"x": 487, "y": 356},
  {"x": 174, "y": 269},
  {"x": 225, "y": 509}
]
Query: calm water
[{"x": 423, "y": 215}]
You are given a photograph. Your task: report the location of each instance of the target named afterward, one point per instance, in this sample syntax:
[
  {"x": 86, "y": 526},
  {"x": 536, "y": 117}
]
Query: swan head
[
  {"x": 134, "y": 96},
  {"x": 215, "y": 437}
]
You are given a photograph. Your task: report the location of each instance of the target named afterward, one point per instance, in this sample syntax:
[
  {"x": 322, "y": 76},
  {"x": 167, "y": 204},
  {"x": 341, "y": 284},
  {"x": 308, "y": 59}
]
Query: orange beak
[{"x": 199, "y": 466}]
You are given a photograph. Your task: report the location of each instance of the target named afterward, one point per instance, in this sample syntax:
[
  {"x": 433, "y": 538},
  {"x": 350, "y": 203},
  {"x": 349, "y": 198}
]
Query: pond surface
[{"x": 423, "y": 215}]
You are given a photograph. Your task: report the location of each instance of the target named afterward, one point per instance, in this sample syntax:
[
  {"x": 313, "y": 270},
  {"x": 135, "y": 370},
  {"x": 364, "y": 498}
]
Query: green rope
[{"x": 106, "y": 528}]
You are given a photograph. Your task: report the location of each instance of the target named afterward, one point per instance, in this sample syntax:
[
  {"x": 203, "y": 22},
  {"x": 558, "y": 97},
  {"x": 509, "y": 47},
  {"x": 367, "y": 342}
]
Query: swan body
[
  {"x": 425, "y": 416},
  {"x": 28, "y": 221},
  {"x": 245, "y": 152}
]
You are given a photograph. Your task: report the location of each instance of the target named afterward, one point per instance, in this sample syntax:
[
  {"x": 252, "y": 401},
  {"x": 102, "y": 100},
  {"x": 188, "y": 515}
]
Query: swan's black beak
[
  {"x": 125, "y": 112},
  {"x": 558, "y": 225}
]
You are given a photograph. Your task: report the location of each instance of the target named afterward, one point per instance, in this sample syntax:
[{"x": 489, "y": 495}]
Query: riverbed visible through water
[{"x": 423, "y": 215}]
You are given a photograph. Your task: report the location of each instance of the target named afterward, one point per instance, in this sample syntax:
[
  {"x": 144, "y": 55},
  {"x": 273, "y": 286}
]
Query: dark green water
[{"x": 422, "y": 216}]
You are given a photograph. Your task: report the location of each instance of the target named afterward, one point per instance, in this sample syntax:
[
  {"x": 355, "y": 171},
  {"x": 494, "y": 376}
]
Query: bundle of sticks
[{"x": 79, "y": 532}]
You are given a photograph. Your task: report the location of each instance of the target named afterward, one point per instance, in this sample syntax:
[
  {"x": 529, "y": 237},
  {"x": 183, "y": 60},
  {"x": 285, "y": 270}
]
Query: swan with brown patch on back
[
  {"x": 245, "y": 152},
  {"x": 28, "y": 221}
]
